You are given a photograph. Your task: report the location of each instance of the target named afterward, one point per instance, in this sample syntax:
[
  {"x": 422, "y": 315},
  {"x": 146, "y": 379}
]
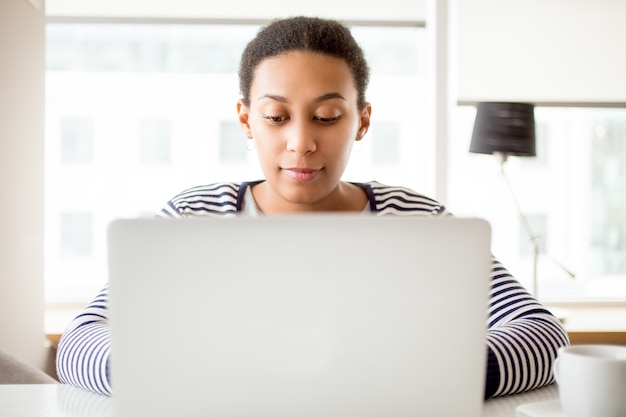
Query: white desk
[
  {"x": 57, "y": 400},
  {"x": 505, "y": 406}
]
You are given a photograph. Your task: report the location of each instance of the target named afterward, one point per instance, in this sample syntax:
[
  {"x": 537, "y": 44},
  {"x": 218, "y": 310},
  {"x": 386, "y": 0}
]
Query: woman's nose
[{"x": 301, "y": 139}]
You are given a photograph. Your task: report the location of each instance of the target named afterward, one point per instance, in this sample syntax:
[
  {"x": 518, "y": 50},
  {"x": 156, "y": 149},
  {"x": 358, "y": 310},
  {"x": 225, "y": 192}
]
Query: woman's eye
[
  {"x": 275, "y": 119},
  {"x": 327, "y": 119}
]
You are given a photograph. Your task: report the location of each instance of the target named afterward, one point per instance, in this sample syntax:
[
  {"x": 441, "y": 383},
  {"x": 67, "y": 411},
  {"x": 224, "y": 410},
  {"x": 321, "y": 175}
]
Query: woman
[{"x": 303, "y": 83}]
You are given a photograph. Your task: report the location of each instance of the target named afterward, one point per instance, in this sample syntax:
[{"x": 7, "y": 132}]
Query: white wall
[
  {"x": 541, "y": 51},
  {"x": 21, "y": 179}
]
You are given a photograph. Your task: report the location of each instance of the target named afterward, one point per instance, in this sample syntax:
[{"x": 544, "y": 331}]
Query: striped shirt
[{"x": 522, "y": 336}]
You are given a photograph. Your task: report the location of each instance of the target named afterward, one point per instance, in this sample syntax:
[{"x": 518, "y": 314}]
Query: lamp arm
[
  {"x": 560, "y": 265},
  {"x": 531, "y": 235}
]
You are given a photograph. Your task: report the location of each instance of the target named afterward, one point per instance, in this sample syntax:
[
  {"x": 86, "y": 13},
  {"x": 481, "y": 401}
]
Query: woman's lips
[{"x": 301, "y": 174}]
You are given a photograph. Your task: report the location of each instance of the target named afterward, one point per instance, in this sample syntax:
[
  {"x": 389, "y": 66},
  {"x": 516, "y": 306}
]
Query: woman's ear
[
  {"x": 244, "y": 115},
  {"x": 364, "y": 121}
]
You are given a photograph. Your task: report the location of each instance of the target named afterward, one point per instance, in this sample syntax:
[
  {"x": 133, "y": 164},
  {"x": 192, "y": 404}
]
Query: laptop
[{"x": 300, "y": 315}]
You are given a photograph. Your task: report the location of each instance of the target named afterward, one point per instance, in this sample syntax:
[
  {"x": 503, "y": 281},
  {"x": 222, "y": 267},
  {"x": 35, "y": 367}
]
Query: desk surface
[{"x": 58, "y": 400}]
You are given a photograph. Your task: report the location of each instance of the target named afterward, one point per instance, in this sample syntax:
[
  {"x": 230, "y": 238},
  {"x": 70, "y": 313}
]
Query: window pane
[
  {"x": 232, "y": 143},
  {"x": 155, "y": 137},
  {"x": 76, "y": 141},
  {"x": 146, "y": 48},
  {"x": 386, "y": 146},
  {"x": 76, "y": 234},
  {"x": 608, "y": 181},
  {"x": 157, "y": 103}
]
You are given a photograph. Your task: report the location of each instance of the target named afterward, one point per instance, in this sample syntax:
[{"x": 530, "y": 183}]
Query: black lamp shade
[{"x": 508, "y": 128}]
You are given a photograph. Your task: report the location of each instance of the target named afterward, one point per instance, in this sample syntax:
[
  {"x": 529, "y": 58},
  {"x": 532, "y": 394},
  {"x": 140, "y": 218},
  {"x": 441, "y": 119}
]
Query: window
[
  {"x": 140, "y": 112},
  {"x": 76, "y": 234},
  {"x": 572, "y": 194},
  {"x": 76, "y": 141},
  {"x": 385, "y": 143},
  {"x": 155, "y": 141},
  {"x": 232, "y": 148}
]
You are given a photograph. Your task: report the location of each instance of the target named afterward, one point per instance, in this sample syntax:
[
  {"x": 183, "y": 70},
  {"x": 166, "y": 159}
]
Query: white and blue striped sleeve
[
  {"x": 523, "y": 338},
  {"x": 85, "y": 347}
]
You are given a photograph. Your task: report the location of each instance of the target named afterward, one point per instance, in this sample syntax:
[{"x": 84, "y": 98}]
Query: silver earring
[{"x": 250, "y": 145}]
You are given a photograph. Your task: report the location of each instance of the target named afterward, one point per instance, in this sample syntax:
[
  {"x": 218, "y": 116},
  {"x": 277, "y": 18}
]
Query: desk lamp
[{"x": 505, "y": 129}]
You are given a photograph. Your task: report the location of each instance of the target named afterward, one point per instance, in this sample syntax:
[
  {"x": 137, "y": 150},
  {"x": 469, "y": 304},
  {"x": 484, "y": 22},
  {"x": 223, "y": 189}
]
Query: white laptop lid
[{"x": 325, "y": 315}]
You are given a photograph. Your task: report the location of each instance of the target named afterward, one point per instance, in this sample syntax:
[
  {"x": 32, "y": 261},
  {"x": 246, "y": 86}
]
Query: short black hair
[{"x": 300, "y": 33}]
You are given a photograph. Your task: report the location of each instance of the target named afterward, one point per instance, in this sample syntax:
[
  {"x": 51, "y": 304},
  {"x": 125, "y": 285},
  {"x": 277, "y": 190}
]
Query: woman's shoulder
[
  {"x": 394, "y": 199},
  {"x": 213, "y": 189},
  {"x": 210, "y": 199}
]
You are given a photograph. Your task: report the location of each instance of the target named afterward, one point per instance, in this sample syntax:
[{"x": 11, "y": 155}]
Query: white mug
[{"x": 592, "y": 380}]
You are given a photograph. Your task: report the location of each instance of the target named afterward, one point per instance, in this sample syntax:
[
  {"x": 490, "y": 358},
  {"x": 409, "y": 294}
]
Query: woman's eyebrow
[
  {"x": 273, "y": 97},
  {"x": 323, "y": 97},
  {"x": 329, "y": 96}
]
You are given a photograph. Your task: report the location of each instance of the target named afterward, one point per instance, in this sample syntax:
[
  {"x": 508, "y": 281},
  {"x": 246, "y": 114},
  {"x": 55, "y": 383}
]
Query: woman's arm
[
  {"x": 522, "y": 338},
  {"x": 85, "y": 347}
]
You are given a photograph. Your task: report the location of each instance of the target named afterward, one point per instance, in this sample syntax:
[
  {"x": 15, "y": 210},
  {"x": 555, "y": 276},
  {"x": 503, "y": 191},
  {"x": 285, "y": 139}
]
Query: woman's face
[{"x": 304, "y": 119}]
